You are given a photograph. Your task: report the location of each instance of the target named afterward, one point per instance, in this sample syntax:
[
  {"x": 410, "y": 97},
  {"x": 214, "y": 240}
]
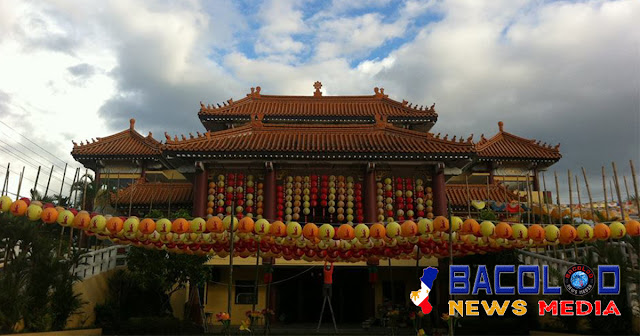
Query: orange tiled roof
[
  {"x": 508, "y": 146},
  {"x": 457, "y": 194},
  {"x": 283, "y": 108},
  {"x": 321, "y": 141},
  {"x": 123, "y": 144},
  {"x": 144, "y": 192}
]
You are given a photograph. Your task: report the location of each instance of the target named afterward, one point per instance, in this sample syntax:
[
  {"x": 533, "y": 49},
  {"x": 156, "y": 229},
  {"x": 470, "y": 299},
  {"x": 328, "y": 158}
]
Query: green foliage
[
  {"x": 182, "y": 213},
  {"x": 36, "y": 284},
  {"x": 139, "y": 298},
  {"x": 488, "y": 214}
]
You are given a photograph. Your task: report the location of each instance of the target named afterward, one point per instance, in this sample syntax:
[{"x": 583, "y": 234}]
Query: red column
[
  {"x": 269, "y": 211},
  {"x": 200, "y": 193},
  {"x": 370, "y": 215},
  {"x": 535, "y": 183},
  {"x": 439, "y": 192}
]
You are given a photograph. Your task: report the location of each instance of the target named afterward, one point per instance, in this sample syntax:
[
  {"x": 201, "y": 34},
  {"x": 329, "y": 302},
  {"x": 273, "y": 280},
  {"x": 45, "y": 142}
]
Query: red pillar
[
  {"x": 269, "y": 211},
  {"x": 200, "y": 193},
  {"x": 439, "y": 192},
  {"x": 370, "y": 211},
  {"x": 535, "y": 183}
]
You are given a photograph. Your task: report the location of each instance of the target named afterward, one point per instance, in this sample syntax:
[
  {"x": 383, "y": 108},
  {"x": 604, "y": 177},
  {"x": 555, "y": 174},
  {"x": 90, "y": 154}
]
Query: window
[{"x": 244, "y": 292}]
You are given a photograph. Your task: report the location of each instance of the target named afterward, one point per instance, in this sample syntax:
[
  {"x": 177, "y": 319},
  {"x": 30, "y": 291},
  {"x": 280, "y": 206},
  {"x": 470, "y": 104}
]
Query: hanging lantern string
[{"x": 266, "y": 284}]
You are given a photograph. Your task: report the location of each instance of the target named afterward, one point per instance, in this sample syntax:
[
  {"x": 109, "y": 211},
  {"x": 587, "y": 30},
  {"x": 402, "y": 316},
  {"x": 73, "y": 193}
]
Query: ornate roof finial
[
  {"x": 166, "y": 135},
  {"x": 432, "y": 108},
  {"x": 190, "y": 135},
  {"x": 201, "y": 105},
  {"x": 404, "y": 102},
  {"x": 501, "y": 126},
  {"x": 454, "y": 138},
  {"x": 446, "y": 136},
  {"x": 74, "y": 143},
  {"x": 557, "y": 147},
  {"x": 230, "y": 101},
  {"x": 438, "y": 136},
  {"x": 183, "y": 137},
  {"x": 198, "y": 133},
  {"x": 150, "y": 135},
  {"x": 132, "y": 123},
  {"x": 470, "y": 138},
  {"x": 317, "y": 85}
]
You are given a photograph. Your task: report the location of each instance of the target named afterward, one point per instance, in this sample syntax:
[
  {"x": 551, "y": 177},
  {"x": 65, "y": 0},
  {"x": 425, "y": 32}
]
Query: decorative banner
[{"x": 346, "y": 242}]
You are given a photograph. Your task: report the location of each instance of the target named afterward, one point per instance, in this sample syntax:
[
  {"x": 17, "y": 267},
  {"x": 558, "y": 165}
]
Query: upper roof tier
[
  {"x": 506, "y": 146},
  {"x": 308, "y": 141},
  {"x": 317, "y": 109},
  {"x": 126, "y": 144}
]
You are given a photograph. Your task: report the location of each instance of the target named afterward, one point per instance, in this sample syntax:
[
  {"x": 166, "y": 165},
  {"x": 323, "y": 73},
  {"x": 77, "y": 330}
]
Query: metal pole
[
  {"x": 466, "y": 183},
  {"x": 70, "y": 192},
  {"x": 529, "y": 195},
  {"x": 46, "y": 190},
  {"x": 255, "y": 284},
  {"x": 626, "y": 187}
]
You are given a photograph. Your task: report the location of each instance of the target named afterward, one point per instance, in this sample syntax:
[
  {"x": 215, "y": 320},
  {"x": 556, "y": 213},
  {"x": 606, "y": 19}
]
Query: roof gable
[
  {"x": 461, "y": 194},
  {"x": 144, "y": 192},
  {"x": 505, "y": 145},
  {"x": 359, "y": 108},
  {"x": 381, "y": 139},
  {"x": 128, "y": 143}
]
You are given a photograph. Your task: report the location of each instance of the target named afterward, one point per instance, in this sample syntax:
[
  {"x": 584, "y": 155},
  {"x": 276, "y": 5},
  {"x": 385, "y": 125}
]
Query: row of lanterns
[
  {"x": 242, "y": 192},
  {"x": 404, "y": 199},
  {"x": 293, "y": 240}
]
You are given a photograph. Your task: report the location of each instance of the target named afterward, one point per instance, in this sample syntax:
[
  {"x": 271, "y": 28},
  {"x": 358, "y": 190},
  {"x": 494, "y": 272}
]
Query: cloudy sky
[{"x": 562, "y": 72}]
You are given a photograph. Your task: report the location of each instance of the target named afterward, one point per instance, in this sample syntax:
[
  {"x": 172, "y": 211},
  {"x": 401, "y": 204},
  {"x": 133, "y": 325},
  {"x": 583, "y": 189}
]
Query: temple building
[{"x": 321, "y": 159}]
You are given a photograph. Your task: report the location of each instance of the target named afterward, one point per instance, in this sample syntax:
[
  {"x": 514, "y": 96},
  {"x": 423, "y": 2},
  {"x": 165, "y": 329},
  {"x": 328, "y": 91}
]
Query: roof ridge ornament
[
  {"x": 381, "y": 121},
  {"x": 470, "y": 138},
  {"x": 432, "y": 108},
  {"x": 379, "y": 92},
  {"x": 501, "y": 126},
  {"x": 255, "y": 92},
  {"x": 132, "y": 123},
  {"x": 317, "y": 85}
]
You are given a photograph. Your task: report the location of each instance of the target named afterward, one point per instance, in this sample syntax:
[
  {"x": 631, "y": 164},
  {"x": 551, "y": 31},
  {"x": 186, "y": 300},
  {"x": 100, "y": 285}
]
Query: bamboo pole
[
  {"x": 518, "y": 193},
  {"x": 570, "y": 196},
  {"x": 35, "y": 184},
  {"x": 231, "y": 250},
  {"x": 611, "y": 192},
  {"x": 579, "y": 200},
  {"x": 635, "y": 186},
  {"x": 133, "y": 189},
  {"x": 547, "y": 202},
  {"x": 466, "y": 183},
  {"x": 75, "y": 205},
  {"x": 70, "y": 192},
  {"x": 20, "y": 184},
  {"x": 606, "y": 200},
  {"x": 617, "y": 185},
  {"x": 46, "y": 190},
  {"x": 558, "y": 198},
  {"x": 64, "y": 174},
  {"x": 506, "y": 193},
  {"x": 586, "y": 183},
  {"x": 626, "y": 187},
  {"x": 5, "y": 185},
  {"x": 529, "y": 195},
  {"x": 84, "y": 191}
]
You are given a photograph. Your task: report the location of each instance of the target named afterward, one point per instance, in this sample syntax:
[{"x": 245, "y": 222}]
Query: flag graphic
[{"x": 420, "y": 297}]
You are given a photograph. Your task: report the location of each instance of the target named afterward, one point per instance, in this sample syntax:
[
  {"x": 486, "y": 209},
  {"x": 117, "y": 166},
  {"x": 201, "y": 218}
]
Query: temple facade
[{"x": 321, "y": 159}]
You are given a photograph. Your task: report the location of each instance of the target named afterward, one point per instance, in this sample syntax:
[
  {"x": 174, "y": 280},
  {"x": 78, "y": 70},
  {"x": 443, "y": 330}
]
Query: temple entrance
[{"x": 299, "y": 300}]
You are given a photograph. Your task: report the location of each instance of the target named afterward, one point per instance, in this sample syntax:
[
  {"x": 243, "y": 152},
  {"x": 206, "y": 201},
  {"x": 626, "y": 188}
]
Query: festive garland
[{"x": 318, "y": 242}]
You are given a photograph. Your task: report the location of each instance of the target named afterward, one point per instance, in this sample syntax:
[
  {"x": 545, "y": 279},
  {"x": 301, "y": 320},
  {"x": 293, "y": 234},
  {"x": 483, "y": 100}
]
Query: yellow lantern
[
  {"x": 33, "y": 212},
  {"x": 65, "y": 218},
  {"x": 617, "y": 230},
  {"x": 5, "y": 203},
  {"x": 393, "y": 229},
  {"x": 163, "y": 225},
  {"x": 551, "y": 233},
  {"x": 362, "y": 231},
  {"x": 425, "y": 226},
  {"x": 520, "y": 232},
  {"x": 294, "y": 229},
  {"x": 456, "y": 223},
  {"x": 585, "y": 232},
  {"x": 226, "y": 222},
  {"x": 261, "y": 227},
  {"x": 131, "y": 225},
  {"x": 197, "y": 225},
  {"x": 487, "y": 228},
  {"x": 326, "y": 232}
]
